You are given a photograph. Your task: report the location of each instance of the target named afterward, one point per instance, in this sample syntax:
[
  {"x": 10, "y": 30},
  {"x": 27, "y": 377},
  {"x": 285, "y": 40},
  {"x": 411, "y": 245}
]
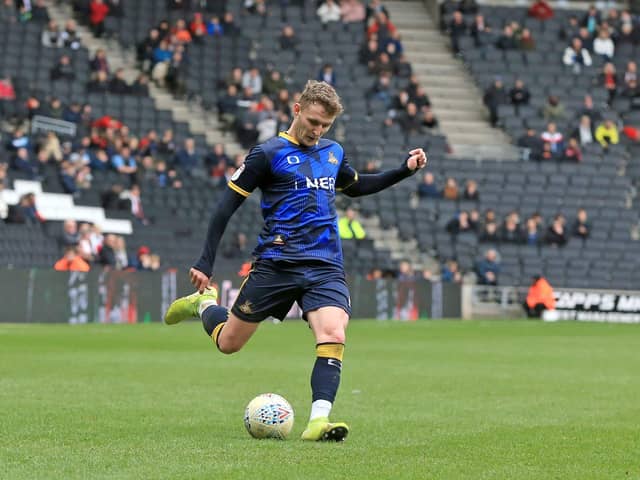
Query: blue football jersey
[{"x": 298, "y": 186}]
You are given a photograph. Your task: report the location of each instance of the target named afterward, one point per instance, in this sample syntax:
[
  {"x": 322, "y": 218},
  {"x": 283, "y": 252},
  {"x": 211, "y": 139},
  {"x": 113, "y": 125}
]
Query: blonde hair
[{"x": 322, "y": 93}]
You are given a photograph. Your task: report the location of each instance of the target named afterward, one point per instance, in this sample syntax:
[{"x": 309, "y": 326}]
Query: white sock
[
  {"x": 320, "y": 408},
  {"x": 204, "y": 305}
]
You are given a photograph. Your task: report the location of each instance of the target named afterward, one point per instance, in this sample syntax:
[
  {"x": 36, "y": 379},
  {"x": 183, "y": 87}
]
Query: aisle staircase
[{"x": 457, "y": 102}]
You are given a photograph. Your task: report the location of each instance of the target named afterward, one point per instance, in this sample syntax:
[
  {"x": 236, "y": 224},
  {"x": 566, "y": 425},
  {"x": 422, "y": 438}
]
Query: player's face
[{"x": 310, "y": 123}]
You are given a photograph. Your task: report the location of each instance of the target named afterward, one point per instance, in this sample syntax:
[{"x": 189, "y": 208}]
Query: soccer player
[{"x": 299, "y": 256}]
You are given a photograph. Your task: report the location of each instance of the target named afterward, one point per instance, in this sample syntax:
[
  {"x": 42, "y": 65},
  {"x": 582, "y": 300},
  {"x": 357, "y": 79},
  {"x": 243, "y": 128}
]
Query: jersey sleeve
[
  {"x": 347, "y": 176},
  {"x": 251, "y": 173}
]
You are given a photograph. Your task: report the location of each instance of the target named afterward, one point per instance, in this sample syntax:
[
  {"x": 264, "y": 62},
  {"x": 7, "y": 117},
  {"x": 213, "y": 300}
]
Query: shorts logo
[
  {"x": 246, "y": 308},
  {"x": 332, "y": 158},
  {"x": 278, "y": 240},
  {"x": 237, "y": 173}
]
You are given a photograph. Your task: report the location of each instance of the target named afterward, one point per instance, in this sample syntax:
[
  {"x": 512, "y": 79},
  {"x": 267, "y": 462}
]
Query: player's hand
[
  {"x": 417, "y": 159},
  {"x": 198, "y": 279}
]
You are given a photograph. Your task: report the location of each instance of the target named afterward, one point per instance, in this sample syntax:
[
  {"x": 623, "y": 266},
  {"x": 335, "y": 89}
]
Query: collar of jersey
[{"x": 286, "y": 136}]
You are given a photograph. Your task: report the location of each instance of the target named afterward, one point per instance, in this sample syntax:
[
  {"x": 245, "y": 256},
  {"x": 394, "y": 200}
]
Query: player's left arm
[{"x": 355, "y": 185}]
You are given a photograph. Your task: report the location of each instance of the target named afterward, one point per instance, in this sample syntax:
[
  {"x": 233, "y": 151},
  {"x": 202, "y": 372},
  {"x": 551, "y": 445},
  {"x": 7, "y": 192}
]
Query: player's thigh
[
  {"x": 329, "y": 324},
  {"x": 235, "y": 334},
  {"x": 326, "y": 286}
]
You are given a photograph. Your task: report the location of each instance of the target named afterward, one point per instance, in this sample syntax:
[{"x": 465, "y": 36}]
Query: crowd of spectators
[
  {"x": 85, "y": 246},
  {"x": 590, "y": 37},
  {"x": 254, "y": 103}
]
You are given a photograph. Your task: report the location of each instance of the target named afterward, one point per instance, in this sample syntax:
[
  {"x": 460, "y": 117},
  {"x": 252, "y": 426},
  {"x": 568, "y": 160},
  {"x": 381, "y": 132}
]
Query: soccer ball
[{"x": 268, "y": 416}]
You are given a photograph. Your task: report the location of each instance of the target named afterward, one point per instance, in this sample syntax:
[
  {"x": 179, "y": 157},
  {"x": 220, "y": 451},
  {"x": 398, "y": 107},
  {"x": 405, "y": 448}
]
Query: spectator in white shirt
[
  {"x": 576, "y": 56},
  {"x": 329, "y": 11},
  {"x": 603, "y": 45}
]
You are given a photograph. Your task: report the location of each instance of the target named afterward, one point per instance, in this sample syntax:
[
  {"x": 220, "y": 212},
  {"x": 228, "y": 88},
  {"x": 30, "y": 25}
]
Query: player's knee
[
  {"x": 334, "y": 333},
  {"x": 229, "y": 345}
]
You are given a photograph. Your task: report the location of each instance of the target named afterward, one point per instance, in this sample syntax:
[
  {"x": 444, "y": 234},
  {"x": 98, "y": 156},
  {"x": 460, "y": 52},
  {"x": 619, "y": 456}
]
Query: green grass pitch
[{"x": 432, "y": 399}]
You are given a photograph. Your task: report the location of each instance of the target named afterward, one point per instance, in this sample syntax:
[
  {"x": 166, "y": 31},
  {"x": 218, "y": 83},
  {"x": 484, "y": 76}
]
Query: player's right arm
[{"x": 242, "y": 183}]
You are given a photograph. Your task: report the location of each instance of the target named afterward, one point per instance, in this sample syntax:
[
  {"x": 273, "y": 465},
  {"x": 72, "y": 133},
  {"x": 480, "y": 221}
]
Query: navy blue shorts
[{"x": 274, "y": 285}]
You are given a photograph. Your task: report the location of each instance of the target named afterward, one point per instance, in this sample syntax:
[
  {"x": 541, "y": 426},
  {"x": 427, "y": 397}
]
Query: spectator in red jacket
[
  {"x": 541, "y": 10},
  {"x": 98, "y": 11},
  {"x": 7, "y": 92}
]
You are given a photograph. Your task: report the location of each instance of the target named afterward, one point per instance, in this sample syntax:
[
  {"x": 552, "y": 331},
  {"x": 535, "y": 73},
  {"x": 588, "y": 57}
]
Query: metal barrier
[{"x": 41, "y": 123}]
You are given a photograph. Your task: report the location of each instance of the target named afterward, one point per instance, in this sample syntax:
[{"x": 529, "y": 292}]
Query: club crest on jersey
[{"x": 332, "y": 158}]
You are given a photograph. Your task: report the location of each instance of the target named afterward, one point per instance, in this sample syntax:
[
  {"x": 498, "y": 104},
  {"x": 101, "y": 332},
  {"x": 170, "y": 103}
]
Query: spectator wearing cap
[
  {"x": 198, "y": 27},
  {"x": 142, "y": 262}
]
